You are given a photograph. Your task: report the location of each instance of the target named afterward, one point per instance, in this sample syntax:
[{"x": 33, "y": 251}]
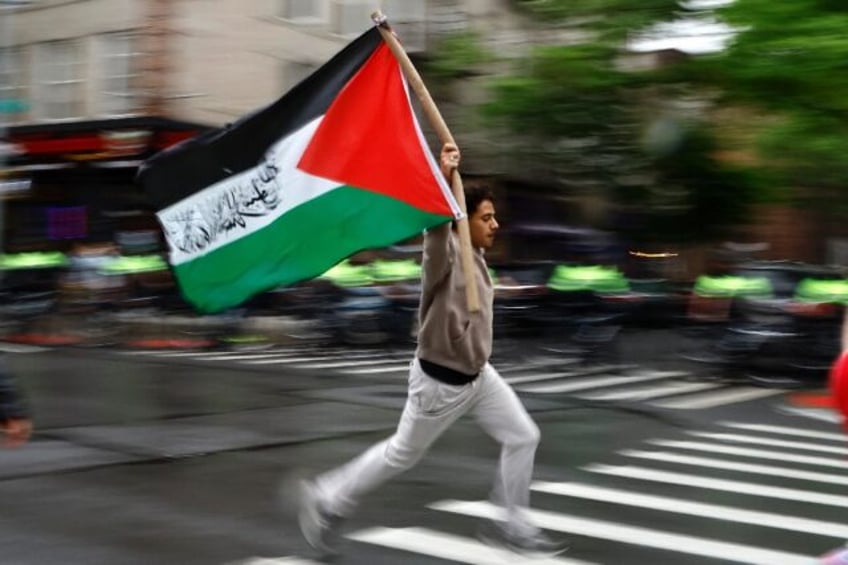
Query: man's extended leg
[
  {"x": 502, "y": 415},
  {"x": 431, "y": 407}
]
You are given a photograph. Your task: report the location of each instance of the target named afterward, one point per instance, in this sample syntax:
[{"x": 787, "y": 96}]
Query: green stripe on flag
[{"x": 301, "y": 244}]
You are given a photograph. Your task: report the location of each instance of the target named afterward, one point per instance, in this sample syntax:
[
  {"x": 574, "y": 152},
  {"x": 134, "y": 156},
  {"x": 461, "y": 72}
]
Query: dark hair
[{"x": 475, "y": 195}]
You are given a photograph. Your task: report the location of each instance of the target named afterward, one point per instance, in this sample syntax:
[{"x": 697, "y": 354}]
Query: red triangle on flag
[{"x": 368, "y": 139}]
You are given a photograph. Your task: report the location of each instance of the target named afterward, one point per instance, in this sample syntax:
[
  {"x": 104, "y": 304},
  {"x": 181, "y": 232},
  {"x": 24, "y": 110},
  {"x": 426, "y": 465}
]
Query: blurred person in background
[
  {"x": 839, "y": 555},
  {"x": 15, "y": 419},
  {"x": 449, "y": 376}
]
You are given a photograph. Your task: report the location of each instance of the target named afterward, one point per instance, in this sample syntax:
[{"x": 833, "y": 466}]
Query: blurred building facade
[{"x": 89, "y": 88}]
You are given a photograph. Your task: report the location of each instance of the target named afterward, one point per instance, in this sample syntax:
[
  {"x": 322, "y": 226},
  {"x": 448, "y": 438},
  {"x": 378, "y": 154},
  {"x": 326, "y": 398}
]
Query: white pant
[{"x": 431, "y": 407}]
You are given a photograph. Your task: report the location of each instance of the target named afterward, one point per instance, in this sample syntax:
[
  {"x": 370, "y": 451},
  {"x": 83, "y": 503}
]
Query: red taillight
[{"x": 812, "y": 309}]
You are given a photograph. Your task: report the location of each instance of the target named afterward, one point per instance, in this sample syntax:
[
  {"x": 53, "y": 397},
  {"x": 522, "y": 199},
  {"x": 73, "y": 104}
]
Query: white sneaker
[
  {"x": 537, "y": 544},
  {"x": 319, "y": 527}
]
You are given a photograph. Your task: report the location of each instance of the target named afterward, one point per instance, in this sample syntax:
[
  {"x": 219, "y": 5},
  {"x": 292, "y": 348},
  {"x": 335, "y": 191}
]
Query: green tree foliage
[
  {"x": 790, "y": 61},
  {"x": 574, "y": 116}
]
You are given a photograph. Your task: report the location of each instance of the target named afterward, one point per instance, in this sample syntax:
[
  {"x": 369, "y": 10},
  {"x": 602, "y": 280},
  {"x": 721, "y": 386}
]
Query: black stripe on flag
[{"x": 191, "y": 166}]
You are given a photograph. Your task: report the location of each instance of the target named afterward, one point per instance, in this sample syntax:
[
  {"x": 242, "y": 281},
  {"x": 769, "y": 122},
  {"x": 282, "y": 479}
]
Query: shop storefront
[{"x": 72, "y": 184}]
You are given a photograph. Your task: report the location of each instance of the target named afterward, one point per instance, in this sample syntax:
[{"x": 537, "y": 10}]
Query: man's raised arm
[{"x": 437, "y": 241}]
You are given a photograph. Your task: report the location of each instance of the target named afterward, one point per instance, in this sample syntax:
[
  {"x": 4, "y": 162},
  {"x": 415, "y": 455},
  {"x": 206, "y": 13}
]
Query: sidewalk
[{"x": 152, "y": 329}]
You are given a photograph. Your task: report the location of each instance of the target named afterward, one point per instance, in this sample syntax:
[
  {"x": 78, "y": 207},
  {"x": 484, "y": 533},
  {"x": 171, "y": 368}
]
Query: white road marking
[
  {"x": 828, "y": 415},
  {"x": 738, "y": 487},
  {"x": 276, "y": 561},
  {"x": 588, "y": 383},
  {"x": 21, "y": 348},
  {"x": 452, "y": 547},
  {"x": 400, "y": 367},
  {"x": 651, "y": 392},
  {"x": 182, "y": 353},
  {"x": 840, "y": 437},
  {"x": 535, "y": 377},
  {"x": 740, "y": 438},
  {"x": 279, "y": 360},
  {"x": 602, "y": 529},
  {"x": 348, "y": 363},
  {"x": 747, "y": 452},
  {"x": 771, "y": 470},
  {"x": 241, "y": 356},
  {"x": 711, "y": 400},
  {"x": 703, "y": 510}
]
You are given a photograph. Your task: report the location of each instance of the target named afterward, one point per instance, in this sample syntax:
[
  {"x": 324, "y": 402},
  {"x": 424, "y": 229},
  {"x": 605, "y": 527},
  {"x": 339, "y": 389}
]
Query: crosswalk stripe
[
  {"x": 598, "y": 382},
  {"x": 713, "y": 399},
  {"x": 535, "y": 377},
  {"x": 588, "y": 383},
  {"x": 783, "y": 472},
  {"x": 399, "y": 367},
  {"x": 276, "y": 561},
  {"x": 748, "y": 452},
  {"x": 281, "y": 359},
  {"x": 739, "y": 487},
  {"x": 822, "y": 415},
  {"x": 651, "y": 392},
  {"x": 452, "y": 547},
  {"x": 177, "y": 354},
  {"x": 703, "y": 510},
  {"x": 349, "y": 363},
  {"x": 633, "y": 535},
  {"x": 21, "y": 348},
  {"x": 241, "y": 356},
  {"x": 782, "y": 430},
  {"x": 741, "y": 438}
]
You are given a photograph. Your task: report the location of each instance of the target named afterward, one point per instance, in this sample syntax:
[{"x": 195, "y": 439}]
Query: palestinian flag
[{"x": 337, "y": 165}]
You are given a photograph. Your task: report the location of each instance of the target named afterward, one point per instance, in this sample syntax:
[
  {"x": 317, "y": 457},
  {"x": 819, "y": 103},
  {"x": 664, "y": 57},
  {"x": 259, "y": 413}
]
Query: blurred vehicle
[
  {"x": 776, "y": 323},
  {"x": 29, "y": 283},
  {"x": 84, "y": 287},
  {"x": 656, "y": 298},
  {"x": 370, "y": 303},
  {"x": 520, "y": 293}
]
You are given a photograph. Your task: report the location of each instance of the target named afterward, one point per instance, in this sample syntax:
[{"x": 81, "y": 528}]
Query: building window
[
  {"x": 59, "y": 81},
  {"x": 294, "y": 72},
  {"x": 349, "y": 18},
  {"x": 304, "y": 11},
  {"x": 116, "y": 68},
  {"x": 12, "y": 103}
]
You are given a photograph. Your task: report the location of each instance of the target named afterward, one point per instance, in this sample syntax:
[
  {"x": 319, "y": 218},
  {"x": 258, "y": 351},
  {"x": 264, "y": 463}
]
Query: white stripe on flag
[
  {"x": 635, "y": 535},
  {"x": 292, "y": 187},
  {"x": 703, "y": 510},
  {"x": 451, "y": 547},
  {"x": 738, "y": 487}
]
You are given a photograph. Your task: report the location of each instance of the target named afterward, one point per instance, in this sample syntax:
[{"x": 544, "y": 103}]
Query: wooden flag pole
[{"x": 430, "y": 110}]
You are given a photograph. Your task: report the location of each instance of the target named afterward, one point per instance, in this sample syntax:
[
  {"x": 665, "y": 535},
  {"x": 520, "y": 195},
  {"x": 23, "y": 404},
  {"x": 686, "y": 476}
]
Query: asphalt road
[{"x": 177, "y": 457}]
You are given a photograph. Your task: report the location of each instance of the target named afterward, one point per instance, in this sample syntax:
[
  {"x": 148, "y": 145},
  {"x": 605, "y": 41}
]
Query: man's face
[{"x": 483, "y": 225}]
